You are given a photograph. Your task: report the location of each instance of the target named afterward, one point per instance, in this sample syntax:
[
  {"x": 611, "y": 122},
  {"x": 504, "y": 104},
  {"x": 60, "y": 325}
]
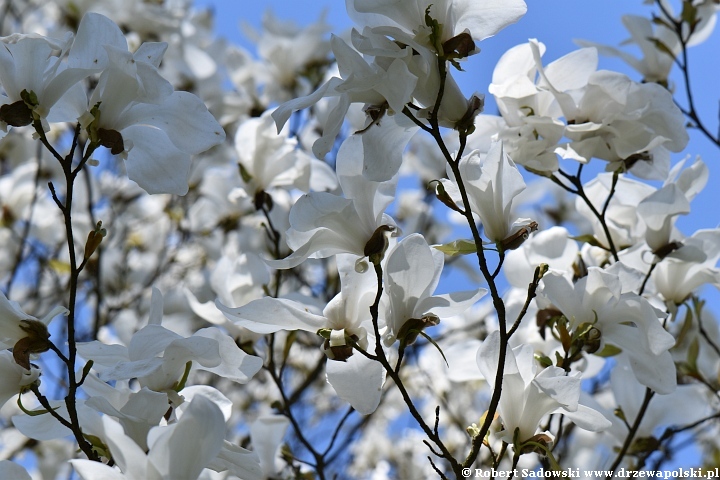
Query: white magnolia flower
[
  {"x": 34, "y": 64},
  {"x": 269, "y": 159},
  {"x": 135, "y": 113},
  {"x": 553, "y": 247},
  {"x": 491, "y": 182},
  {"x": 480, "y": 19},
  {"x": 624, "y": 320},
  {"x": 412, "y": 273},
  {"x": 355, "y": 378},
  {"x": 605, "y": 114},
  {"x": 676, "y": 278},
  {"x": 656, "y": 63},
  {"x": 174, "y": 450},
  {"x": 660, "y": 209},
  {"x": 323, "y": 224},
  {"x": 16, "y": 324},
  {"x": 157, "y": 357},
  {"x": 386, "y": 80},
  {"x": 527, "y": 101},
  {"x": 528, "y": 396}
]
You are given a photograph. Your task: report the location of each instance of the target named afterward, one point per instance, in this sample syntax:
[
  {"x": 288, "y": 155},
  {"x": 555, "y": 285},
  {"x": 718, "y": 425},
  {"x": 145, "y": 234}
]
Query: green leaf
[
  {"x": 661, "y": 21},
  {"x": 246, "y": 177},
  {"x": 689, "y": 14},
  {"x": 608, "y": 351},
  {"x": 589, "y": 239},
  {"x": 427, "y": 337},
  {"x": 543, "y": 360},
  {"x": 662, "y": 47},
  {"x": 553, "y": 463},
  {"x": 181, "y": 384},
  {"x": 692, "y": 354},
  {"x": 457, "y": 247},
  {"x": 32, "y": 413},
  {"x": 289, "y": 340}
]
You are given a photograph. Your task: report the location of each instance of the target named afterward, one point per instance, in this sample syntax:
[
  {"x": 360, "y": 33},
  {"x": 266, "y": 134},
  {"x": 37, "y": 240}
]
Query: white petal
[
  {"x": 12, "y": 471},
  {"x": 177, "y": 453},
  {"x": 268, "y": 315},
  {"x": 267, "y": 433},
  {"x": 358, "y": 381},
  {"x": 90, "y": 470},
  {"x": 587, "y": 418},
  {"x": 185, "y": 120},
  {"x": 94, "y": 32},
  {"x": 154, "y": 162},
  {"x": 236, "y": 365}
]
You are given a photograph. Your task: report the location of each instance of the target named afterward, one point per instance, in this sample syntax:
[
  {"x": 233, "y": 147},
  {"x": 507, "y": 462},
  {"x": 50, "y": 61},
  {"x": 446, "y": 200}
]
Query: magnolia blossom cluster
[{"x": 213, "y": 266}]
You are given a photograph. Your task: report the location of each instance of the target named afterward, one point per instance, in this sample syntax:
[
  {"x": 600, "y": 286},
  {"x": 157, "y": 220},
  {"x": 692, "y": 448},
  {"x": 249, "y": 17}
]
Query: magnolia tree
[{"x": 208, "y": 270}]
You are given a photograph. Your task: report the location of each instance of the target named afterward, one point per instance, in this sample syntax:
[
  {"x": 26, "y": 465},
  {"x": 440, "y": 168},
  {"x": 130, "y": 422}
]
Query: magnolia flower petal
[
  {"x": 154, "y": 162},
  {"x": 564, "y": 389},
  {"x": 12, "y": 471},
  {"x": 102, "y": 355},
  {"x": 587, "y": 418},
  {"x": 266, "y": 434},
  {"x": 238, "y": 461},
  {"x": 269, "y": 315},
  {"x": 185, "y": 120},
  {"x": 460, "y": 359},
  {"x": 46, "y": 427},
  {"x": 236, "y": 365},
  {"x": 282, "y": 113},
  {"x": 176, "y": 452},
  {"x": 450, "y": 304},
  {"x": 207, "y": 311},
  {"x": 485, "y": 19},
  {"x": 655, "y": 372},
  {"x": 94, "y": 33},
  {"x": 358, "y": 381},
  {"x": 151, "y": 52},
  {"x": 128, "y": 455},
  {"x": 91, "y": 470},
  {"x": 383, "y": 146},
  {"x": 150, "y": 341},
  {"x": 211, "y": 393},
  {"x": 409, "y": 270}
]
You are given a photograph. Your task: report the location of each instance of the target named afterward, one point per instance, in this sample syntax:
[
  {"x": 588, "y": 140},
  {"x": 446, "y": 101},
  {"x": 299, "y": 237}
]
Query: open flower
[
  {"x": 492, "y": 182},
  {"x": 37, "y": 84},
  {"x": 344, "y": 322},
  {"x": 528, "y": 395},
  {"x": 480, "y": 19},
  {"x": 323, "y": 224},
  {"x": 656, "y": 63},
  {"x": 625, "y": 320},
  {"x": 157, "y": 357},
  {"x": 388, "y": 82},
  {"x": 135, "y": 113},
  {"x": 174, "y": 450},
  {"x": 412, "y": 273}
]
